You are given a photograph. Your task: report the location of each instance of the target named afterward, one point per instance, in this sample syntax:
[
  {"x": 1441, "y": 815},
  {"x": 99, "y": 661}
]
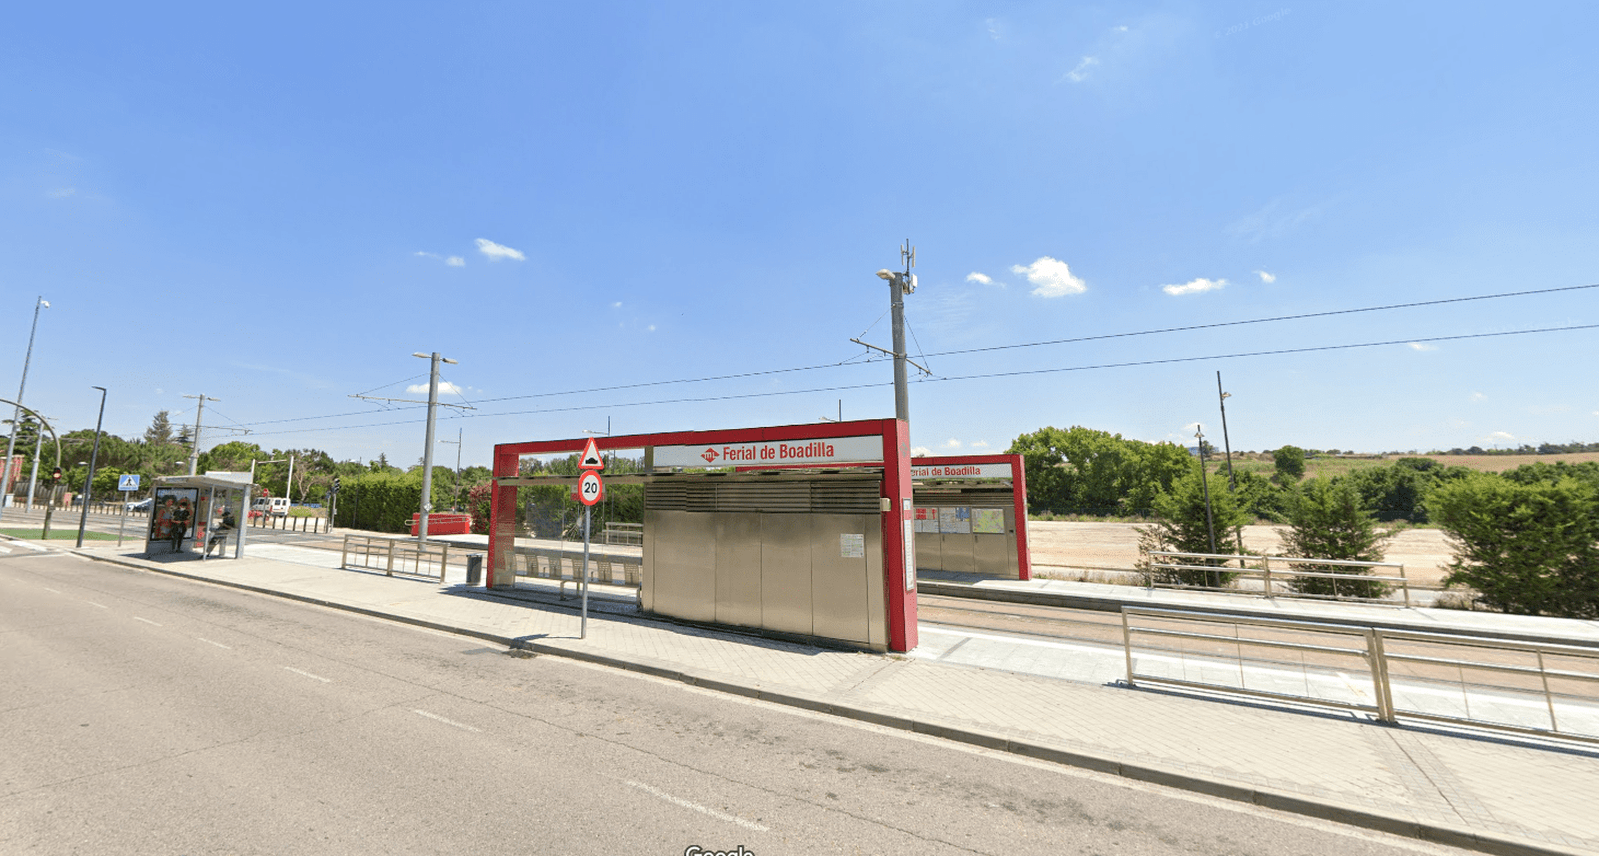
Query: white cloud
[
  {"x": 921, "y": 452},
  {"x": 455, "y": 261},
  {"x": 1271, "y": 221},
  {"x": 1121, "y": 29},
  {"x": 616, "y": 304},
  {"x": 1197, "y": 286},
  {"x": 1267, "y": 278},
  {"x": 1052, "y": 276},
  {"x": 983, "y": 278},
  {"x": 1080, "y": 73},
  {"x": 650, "y": 328},
  {"x": 1501, "y": 435},
  {"x": 1421, "y": 346},
  {"x": 1477, "y": 396},
  {"x": 951, "y": 443},
  {"x": 444, "y": 387},
  {"x": 979, "y": 444},
  {"x": 496, "y": 252}
]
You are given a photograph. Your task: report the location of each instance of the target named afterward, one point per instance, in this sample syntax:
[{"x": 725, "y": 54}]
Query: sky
[{"x": 644, "y": 217}]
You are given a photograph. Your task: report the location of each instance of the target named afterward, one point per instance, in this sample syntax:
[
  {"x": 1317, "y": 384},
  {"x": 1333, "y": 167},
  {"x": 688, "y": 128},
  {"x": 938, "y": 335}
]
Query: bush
[
  {"x": 1290, "y": 463},
  {"x": 385, "y": 501},
  {"x": 1530, "y": 549},
  {"x": 1181, "y": 527},
  {"x": 1328, "y": 521}
]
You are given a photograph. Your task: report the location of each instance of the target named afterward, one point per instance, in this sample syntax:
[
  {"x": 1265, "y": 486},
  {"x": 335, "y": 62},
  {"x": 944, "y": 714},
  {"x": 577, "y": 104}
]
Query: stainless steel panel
[
  {"x": 929, "y": 550},
  {"x": 988, "y": 554},
  {"x": 956, "y": 552},
  {"x": 786, "y": 573},
  {"x": 876, "y": 585},
  {"x": 1013, "y": 568},
  {"x": 838, "y": 583},
  {"x": 652, "y": 526},
  {"x": 738, "y": 569},
  {"x": 684, "y": 565}
]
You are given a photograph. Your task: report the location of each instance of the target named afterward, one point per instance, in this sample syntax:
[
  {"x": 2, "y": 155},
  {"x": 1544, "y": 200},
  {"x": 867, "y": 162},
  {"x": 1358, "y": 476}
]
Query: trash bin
[{"x": 474, "y": 569}]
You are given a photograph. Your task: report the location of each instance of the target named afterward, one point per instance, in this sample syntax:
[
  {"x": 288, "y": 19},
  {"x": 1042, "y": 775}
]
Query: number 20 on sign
[{"x": 589, "y": 488}]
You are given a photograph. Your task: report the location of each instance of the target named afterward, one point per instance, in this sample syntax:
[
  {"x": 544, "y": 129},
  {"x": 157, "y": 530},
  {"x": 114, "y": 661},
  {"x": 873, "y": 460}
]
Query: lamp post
[
  {"x": 11, "y": 445},
  {"x": 899, "y": 285},
  {"x": 94, "y": 457}
]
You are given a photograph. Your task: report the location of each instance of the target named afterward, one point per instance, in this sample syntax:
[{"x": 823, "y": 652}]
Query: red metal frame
[
  {"x": 899, "y": 588},
  {"x": 1018, "y": 474}
]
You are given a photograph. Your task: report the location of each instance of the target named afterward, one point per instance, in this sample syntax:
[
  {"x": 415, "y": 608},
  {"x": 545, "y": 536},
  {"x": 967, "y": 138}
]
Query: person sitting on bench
[{"x": 219, "y": 532}]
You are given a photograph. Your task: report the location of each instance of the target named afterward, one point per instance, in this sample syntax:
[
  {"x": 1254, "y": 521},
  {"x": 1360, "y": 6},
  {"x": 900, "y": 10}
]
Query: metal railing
[
  {"x": 567, "y": 566},
  {"x": 624, "y": 534},
  {"x": 1527, "y": 687},
  {"x": 1276, "y": 581},
  {"x": 396, "y": 555},
  {"x": 288, "y": 523}
]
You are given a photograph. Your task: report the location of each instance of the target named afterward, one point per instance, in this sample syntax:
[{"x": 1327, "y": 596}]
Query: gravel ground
[{"x": 1090, "y": 545}]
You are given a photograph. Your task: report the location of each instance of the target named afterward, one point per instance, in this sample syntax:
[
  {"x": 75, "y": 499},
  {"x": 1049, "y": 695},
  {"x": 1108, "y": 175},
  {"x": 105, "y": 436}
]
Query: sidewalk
[{"x": 1492, "y": 793}]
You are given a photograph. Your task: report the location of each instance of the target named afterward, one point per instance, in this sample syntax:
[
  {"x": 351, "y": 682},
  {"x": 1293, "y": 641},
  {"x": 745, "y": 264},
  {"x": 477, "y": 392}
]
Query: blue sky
[{"x": 276, "y": 205}]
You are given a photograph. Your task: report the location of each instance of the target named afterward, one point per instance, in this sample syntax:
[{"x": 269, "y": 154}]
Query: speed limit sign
[{"x": 589, "y": 488}]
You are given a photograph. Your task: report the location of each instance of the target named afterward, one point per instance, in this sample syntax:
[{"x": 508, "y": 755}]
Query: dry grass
[{"x": 1500, "y": 463}]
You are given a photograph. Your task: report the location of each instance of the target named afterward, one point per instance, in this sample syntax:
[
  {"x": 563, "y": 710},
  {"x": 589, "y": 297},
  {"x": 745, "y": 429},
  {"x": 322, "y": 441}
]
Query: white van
[{"x": 277, "y": 506}]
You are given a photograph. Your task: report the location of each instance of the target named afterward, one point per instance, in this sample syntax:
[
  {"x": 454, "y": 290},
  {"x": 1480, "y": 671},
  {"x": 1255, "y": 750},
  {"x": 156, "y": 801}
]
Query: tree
[
  {"x": 1182, "y": 526},
  {"x": 1085, "y": 471},
  {"x": 1529, "y": 549},
  {"x": 160, "y": 431},
  {"x": 1327, "y": 521},
  {"x": 1290, "y": 462}
]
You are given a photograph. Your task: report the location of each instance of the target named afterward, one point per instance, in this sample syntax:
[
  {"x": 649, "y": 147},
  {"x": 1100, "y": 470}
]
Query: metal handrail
[
  {"x": 1265, "y": 573},
  {"x": 396, "y": 548},
  {"x": 1377, "y": 657}
]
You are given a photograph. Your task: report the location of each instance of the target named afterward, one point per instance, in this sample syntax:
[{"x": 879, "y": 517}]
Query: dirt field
[
  {"x": 1500, "y": 463},
  {"x": 1060, "y": 546}
]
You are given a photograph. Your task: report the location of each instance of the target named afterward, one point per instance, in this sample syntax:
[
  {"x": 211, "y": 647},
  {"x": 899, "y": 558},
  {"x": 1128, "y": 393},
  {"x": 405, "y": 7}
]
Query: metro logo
[{"x": 709, "y": 455}]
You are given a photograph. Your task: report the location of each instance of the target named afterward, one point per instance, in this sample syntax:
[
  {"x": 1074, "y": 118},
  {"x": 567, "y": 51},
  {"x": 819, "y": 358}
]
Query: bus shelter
[
  {"x": 198, "y": 514},
  {"x": 802, "y": 530}
]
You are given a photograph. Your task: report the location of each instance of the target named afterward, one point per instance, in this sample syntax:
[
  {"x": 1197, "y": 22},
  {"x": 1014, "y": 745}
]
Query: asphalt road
[{"x": 145, "y": 714}]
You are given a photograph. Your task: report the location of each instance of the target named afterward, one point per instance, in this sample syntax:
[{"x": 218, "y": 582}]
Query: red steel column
[
  {"x": 899, "y": 546},
  {"x": 1018, "y": 474},
  {"x": 501, "y": 572}
]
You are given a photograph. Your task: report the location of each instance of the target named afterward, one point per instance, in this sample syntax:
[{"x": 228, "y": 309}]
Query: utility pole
[
  {"x": 194, "y": 453},
  {"x": 11, "y": 445},
  {"x": 899, "y": 285},
  {"x": 427, "y": 449},
  {"x": 1210, "y": 523}
]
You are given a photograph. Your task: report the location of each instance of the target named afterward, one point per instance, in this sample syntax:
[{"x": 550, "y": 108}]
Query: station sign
[
  {"x": 962, "y": 471},
  {"x": 783, "y": 453}
]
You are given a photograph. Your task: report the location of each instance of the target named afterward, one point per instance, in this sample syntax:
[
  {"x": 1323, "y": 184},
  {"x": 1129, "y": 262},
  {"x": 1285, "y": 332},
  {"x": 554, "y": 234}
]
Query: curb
[{"x": 1365, "y": 818}]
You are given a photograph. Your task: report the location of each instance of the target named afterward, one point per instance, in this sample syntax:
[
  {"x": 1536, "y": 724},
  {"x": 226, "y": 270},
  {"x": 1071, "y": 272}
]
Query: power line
[
  {"x": 857, "y": 359},
  {"x": 1299, "y": 317},
  {"x": 986, "y": 375}
]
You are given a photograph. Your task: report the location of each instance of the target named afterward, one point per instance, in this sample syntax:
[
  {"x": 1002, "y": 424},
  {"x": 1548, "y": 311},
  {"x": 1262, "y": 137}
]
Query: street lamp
[
  {"x": 899, "y": 285},
  {"x": 94, "y": 457},
  {"x": 11, "y": 445}
]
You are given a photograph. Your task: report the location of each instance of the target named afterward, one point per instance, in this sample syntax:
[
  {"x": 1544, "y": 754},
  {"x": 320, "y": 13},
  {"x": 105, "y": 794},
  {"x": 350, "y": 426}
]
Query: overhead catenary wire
[{"x": 988, "y": 375}]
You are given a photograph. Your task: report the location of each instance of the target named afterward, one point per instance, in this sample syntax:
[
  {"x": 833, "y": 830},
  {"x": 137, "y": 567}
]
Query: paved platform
[{"x": 1482, "y": 791}]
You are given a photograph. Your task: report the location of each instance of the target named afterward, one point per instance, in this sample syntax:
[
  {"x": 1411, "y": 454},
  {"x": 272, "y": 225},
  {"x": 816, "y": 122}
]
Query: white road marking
[
  {"x": 447, "y": 721},
  {"x": 101, "y": 605},
  {"x": 710, "y": 812},
  {"x": 306, "y": 674},
  {"x": 209, "y": 642},
  {"x": 147, "y": 621}
]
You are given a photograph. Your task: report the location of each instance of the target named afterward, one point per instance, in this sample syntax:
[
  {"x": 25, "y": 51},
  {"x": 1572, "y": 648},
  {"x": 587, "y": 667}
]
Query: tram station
[{"x": 798, "y": 530}]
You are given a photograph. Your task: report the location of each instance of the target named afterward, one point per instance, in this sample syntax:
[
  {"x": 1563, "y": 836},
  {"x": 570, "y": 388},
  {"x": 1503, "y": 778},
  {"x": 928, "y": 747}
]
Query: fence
[
  {"x": 1527, "y": 687},
  {"x": 288, "y": 523},
  {"x": 1276, "y": 582},
  {"x": 565, "y": 567},
  {"x": 396, "y": 555},
  {"x": 624, "y": 534}
]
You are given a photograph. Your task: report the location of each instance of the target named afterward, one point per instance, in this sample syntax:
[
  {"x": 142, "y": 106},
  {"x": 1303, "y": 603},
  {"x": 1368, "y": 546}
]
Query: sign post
[
  {"x": 127, "y": 484},
  {"x": 590, "y": 489}
]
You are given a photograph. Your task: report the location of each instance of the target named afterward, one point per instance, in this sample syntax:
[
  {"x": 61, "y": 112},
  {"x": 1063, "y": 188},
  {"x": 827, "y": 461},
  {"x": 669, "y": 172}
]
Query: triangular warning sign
[{"x": 591, "y": 459}]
